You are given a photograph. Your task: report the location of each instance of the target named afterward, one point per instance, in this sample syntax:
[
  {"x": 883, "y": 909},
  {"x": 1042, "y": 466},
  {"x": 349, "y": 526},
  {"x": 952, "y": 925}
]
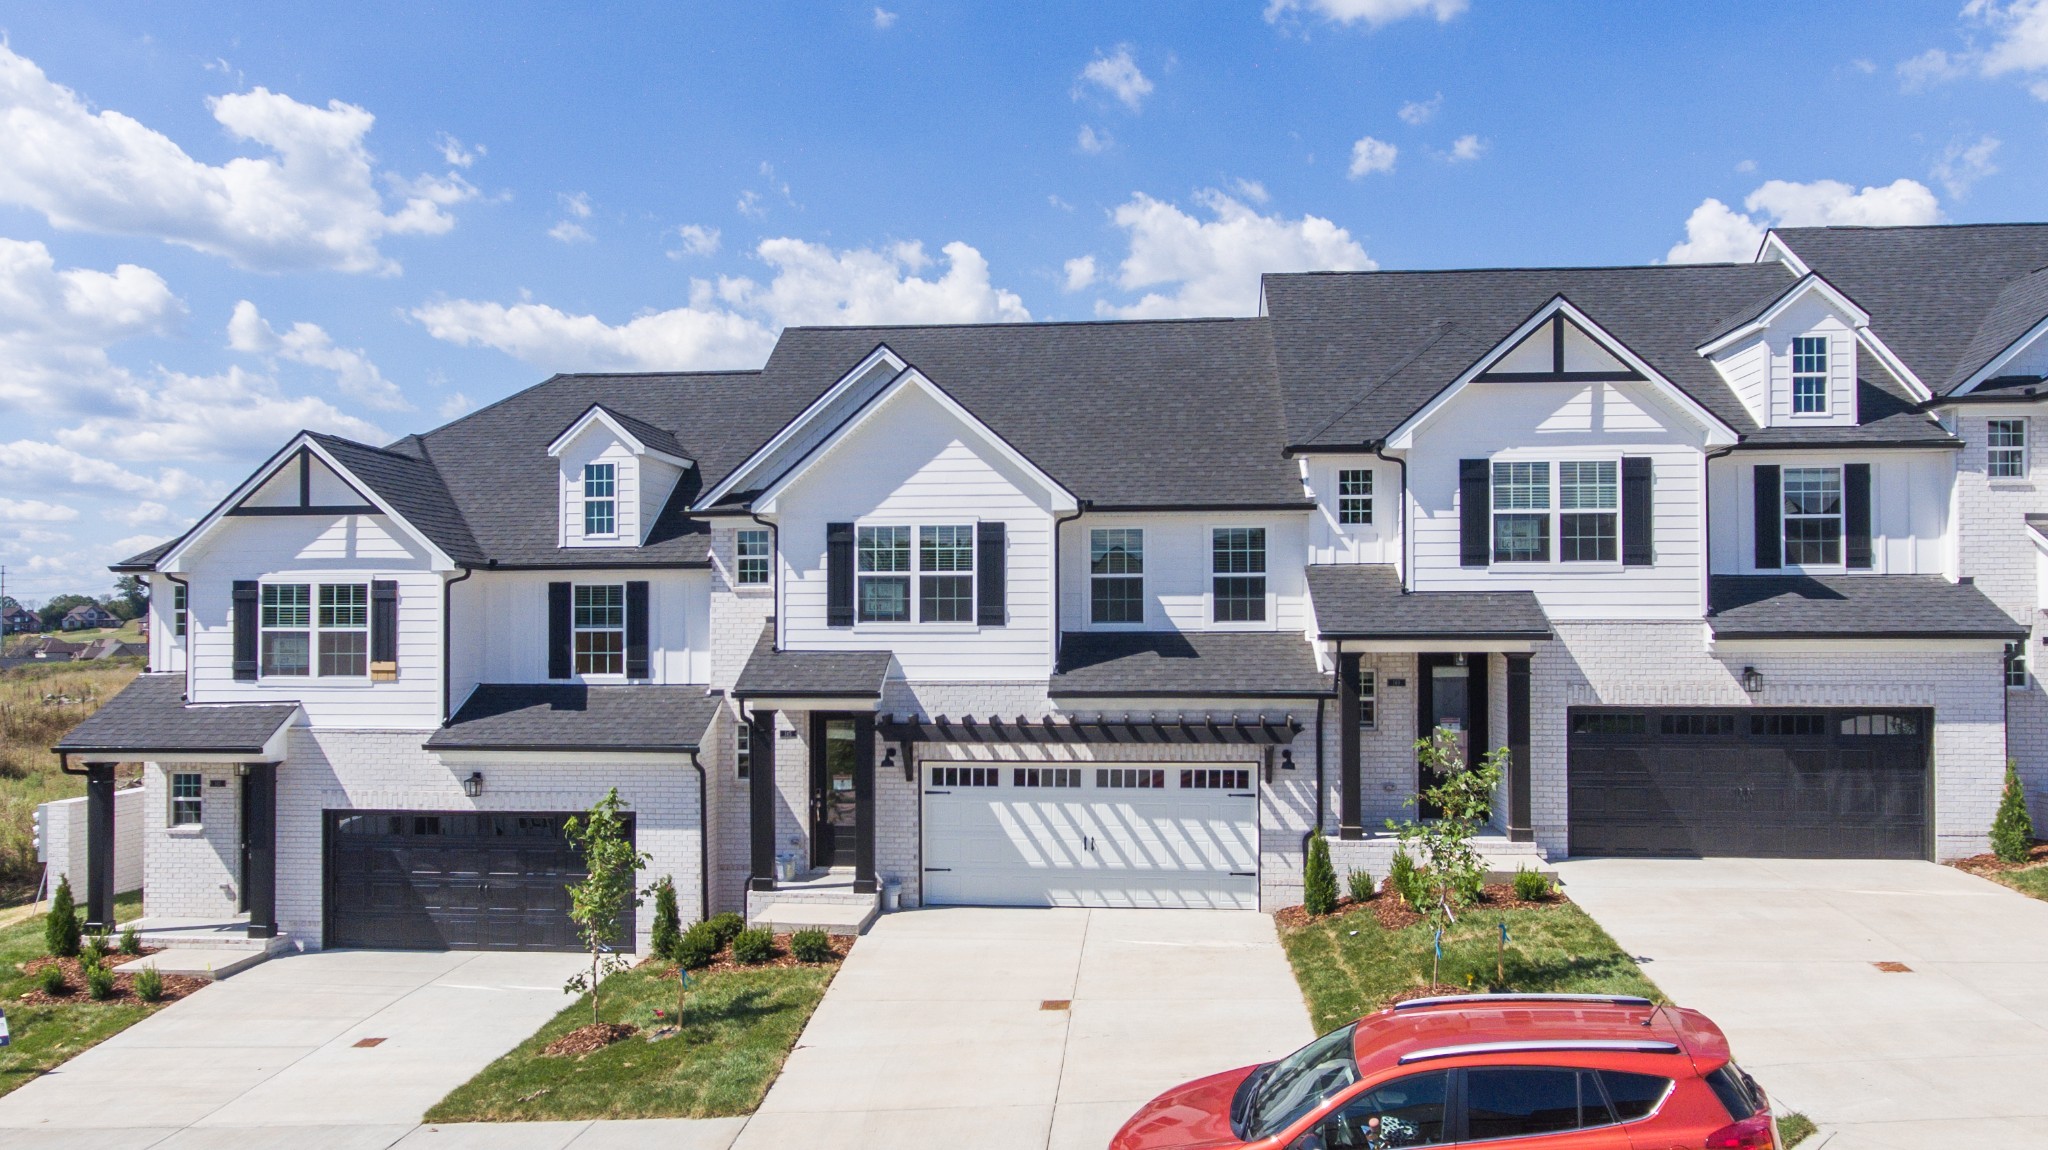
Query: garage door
[
  {"x": 1759, "y": 784},
  {"x": 451, "y": 880},
  {"x": 1109, "y": 834}
]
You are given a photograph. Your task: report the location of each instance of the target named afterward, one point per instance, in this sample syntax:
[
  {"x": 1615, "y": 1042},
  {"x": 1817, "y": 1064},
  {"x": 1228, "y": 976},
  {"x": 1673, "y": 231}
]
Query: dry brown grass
[{"x": 28, "y": 771}]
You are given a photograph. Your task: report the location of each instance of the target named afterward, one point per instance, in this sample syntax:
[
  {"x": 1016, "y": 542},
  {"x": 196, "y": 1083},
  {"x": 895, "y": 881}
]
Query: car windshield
[{"x": 1287, "y": 1089}]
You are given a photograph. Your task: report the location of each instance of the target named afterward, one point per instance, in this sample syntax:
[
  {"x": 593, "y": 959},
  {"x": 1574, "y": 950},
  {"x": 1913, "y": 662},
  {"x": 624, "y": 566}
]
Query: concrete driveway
[
  {"x": 1782, "y": 954},
  {"x": 936, "y": 1032}
]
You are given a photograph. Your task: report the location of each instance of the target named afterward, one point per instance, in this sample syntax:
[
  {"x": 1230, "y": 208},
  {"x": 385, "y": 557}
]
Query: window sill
[
  {"x": 324, "y": 682},
  {"x": 1560, "y": 567},
  {"x": 186, "y": 830},
  {"x": 916, "y": 628},
  {"x": 2010, "y": 484}
]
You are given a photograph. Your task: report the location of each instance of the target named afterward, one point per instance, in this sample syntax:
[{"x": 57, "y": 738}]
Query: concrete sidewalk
[{"x": 1782, "y": 954}]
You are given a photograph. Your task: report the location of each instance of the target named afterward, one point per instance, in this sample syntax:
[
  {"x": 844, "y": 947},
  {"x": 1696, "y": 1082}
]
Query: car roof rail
[
  {"x": 1579, "y": 1045},
  {"x": 1473, "y": 999}
]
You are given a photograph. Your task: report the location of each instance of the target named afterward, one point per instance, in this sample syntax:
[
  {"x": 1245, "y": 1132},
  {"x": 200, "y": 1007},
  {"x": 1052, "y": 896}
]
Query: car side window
[
  {"x": 1405, "y": 1112},
  {"x": 1513, "y": 1101},
  {"x": 1637, "y": 1095}
]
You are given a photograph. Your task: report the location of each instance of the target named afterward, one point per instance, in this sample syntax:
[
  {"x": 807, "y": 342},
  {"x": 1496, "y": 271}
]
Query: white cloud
[
  {"x": 1369, "y": 155},
  {"x": 143, "y": 513},
  {"x": 1093, "y": 142},
  {"x": 310, "y": 345},
  {"x": 1934, "y": 66},
  {"x": 1717, "y": 233},
  {"x": 1212, "y": 266},
  {"x": 310, "y": 202},
  {"x": 35, "y": 511},
  {"x": 577, "y": 205},
  {"x": 37, "y": 462},
  {"x": 697, "y": 240},
  {"x": 1745, "y": 165},
  {"x": 454, "y": 407},
  {"x": 1374, "y": 13},
  {"x": 455, "y": 155},
  {"x": 1118, "y": 75},
  {"x": 1251, "y": 190},
  {"x": 1466, "y": 148},
  {"x": 55, "y": 326},
  {"x": 733, "y": 322},
  {"x": 749, "y": 205},
  {"x": 1963, "y": 163},
  {"x": 1416, "y": 113},
  {"x": 2019, "y": 45},
  {"x": 1053, "y": 200},
  {"x": 884, "y": 19},
  {"x": 574, "y": 207},
  {"x": 1867, "y": 67},
  {"x": 171, "y": 415},
  {"x": 569, "y": 232},
  {"x": 1080, "y": 272}
]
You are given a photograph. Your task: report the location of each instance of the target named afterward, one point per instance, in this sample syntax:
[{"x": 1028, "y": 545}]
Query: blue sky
[{"x": 223, "y": 223}]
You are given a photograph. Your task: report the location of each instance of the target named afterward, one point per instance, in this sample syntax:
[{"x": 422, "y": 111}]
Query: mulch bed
[
  {"x": 782, "y": 959},
  {"x": 1395, "y": 914},
  {"x": 176, "y": 986},
  {"x": 585, "y": 1039},
  {"x": 1429, "y": 990},
  {"x": 1992, "y": 864}
]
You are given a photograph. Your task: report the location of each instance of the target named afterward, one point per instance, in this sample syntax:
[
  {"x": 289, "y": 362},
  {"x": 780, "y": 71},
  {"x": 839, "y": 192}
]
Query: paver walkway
[{"x": 1782, "y": 954}]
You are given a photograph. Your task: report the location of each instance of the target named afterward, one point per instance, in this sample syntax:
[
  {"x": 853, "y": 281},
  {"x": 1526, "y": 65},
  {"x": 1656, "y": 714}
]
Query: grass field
[
  {"x": 28, "y": 771},
  {"x": 44, "y": 1036}
]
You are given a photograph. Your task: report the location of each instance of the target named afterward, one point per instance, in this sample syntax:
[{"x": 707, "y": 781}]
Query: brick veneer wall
[{"x": 192, "y": 871}]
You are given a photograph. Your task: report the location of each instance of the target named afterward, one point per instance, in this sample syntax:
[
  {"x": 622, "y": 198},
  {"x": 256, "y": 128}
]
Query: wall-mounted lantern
[
  {"x": 1752, "y": 681},
  {"x": 474, "y": 784}
]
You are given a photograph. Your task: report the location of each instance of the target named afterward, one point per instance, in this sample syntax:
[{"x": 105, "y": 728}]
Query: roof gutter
[
  {"x": 774, "y": 572},
  {"x": 1059, "y": 634},
  {"x": 703, "y": 839},
  {"x": 447, "y": 632},
  {"x": 1379, "y": 450}
]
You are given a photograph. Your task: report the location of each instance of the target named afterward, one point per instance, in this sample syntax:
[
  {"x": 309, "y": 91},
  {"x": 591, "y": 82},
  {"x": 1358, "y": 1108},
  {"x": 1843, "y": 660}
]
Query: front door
[
  {"x": 835, "y": 837},
  {"x": 1452, "y": 700}
]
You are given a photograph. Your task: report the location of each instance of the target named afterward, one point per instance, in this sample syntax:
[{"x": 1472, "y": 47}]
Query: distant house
[
  {"x": 16, "y": 620},
  {"x": 87, "y": 617},
  {"x": 111, "y": 647}
]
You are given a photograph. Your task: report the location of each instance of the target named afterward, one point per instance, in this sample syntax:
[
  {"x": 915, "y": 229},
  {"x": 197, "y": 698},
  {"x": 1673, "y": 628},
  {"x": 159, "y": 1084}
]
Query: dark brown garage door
[
  {"x": 1748, "y": 783},
  {"x": 432, "y": 880}
]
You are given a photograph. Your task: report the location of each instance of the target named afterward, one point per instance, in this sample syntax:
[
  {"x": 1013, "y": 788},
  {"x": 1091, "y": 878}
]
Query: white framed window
[
  {"x": 186, "y": 804},
  {"x": 286, "y": 628},
  {"x": 922, "y": 573},
  {"x": 306, "y": 630},
  {"x": 179, "y": 611},
  {"x": 1589, "y": 516},
  {"x": 1116, "y": 575},
  {"x": 743, "y": 748},
  {"x": 750, "y": 550},
  {"x": 600, "y": 499},
  {"x": 1354, "y": 495},
  {"x": 598, "y": 624},
  {"x": 1813, "y": 516},
  {"x": 945, "y": 579},
  {"x": 1521, "y": 512},
  {"x": 1237, "y": 574},
  {"x": 2016, "y": 667},
  {"x": 1368, "y": 700},
  {"x": 2005, "y": 451},
  {"x": 344, "y": 631},
  {"x": 1809, "y": 375},
  {"x": 882, "y": 574}
]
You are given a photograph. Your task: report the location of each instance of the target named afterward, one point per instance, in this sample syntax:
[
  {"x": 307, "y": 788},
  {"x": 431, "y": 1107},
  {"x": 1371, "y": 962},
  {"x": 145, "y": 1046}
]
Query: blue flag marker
[
  {"x": 4, "y": 1038},
  {"x": 1439, "y": 944},
  {"x": 1503, "y": 932}
]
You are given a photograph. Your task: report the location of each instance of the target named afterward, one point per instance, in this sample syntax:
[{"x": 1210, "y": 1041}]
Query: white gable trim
[
  {"x": 1717, "y": 432},
  {"x": 810, "y": 415},
  {"x": 1775, "y": 248},
  {"x": 2012, "y": 350},
  {"x": 597, "y": 414},
  {"x": 1062, "y": 499},
  {"x": 169, "y": 560},
  {"x": 1812, "y": 283}
]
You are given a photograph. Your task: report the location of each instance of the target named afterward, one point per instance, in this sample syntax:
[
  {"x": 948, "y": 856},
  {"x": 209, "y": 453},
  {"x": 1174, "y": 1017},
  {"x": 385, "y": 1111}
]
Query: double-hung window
[
  {"x": 1521, "y": 512},
  {"x": 945, "y": 579},
  {"x": 1588, "y": 501},
  {"x": 344, "y": 629},
  {"x": 178, "y": 609},
  {"x": 2005, "y": 455},
  {"x": 1116, "y": 575},
  {"x": 931, "y": 582},
  {"x": 1813, "y": 516},
  {"x": 1354, "y": 495},
  {"x": 309, "y": 629},
  {"x": 751, "y": 562},
  {"x": 599, "y": 626},
  {"x": 882, "y": 574},
  {"x": 600, "y": 499},
  {"x": 1238, "y": 574},
  {"x": 2016, "y": 666},
  {"x": 186, "y": 805},
  {"x": 1809, "y": 375},
  {"x": 743, "y": 748},
  {"x": 287, "y": 629},
  {"x": 1368, "y": 701}
]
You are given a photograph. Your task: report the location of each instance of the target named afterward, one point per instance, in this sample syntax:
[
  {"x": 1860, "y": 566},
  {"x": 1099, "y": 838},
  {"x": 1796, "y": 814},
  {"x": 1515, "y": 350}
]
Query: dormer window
[
  {"x": 600, "y": 502},
  {"x": 1809, "y": 375}
]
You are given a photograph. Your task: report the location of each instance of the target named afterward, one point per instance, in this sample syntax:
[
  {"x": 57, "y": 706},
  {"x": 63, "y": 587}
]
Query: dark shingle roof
[
  {"x": 1941, "y": 297},
  {"x": 653, "y": 437},
  {"x": 1888, "y": 420},
  {"x": 818, "y": 674},
  {"x": 1853, "y": 607},
  {"x": 1187, "y": 664},
  {"x": 151, "y": 715},
  {"x": 413, "y": 487},
  {"x": 146, "y": 560},
  {"x": 567, "y": 717},
  {"x": 1365, "y": 601}
]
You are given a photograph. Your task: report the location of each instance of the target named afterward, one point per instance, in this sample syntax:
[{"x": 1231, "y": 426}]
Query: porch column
[
  {"x": 1519, "y": 830},
  {"x": 99, "y": 846},
  {"x": 1350, "y": 684},
  {"x": 864, "y": 803},
  {"x": 259, "y": 830},
  {"x": 761, "y": 800}
]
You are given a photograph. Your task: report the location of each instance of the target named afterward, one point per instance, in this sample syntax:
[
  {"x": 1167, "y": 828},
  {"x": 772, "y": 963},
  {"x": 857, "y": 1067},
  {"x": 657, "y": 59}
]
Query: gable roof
[{"x": 641, "y": 435}]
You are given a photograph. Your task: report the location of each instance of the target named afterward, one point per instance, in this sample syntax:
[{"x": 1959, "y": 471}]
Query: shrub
[
  {"x": 810, "y": 946},
  {"x": 1531, "y": 886},
  {"x": 727, "y": 926},
  {"x": 1359, "y": 883},
  {"x": 95, "y": 943},
  {"x": 149, "y": 985},
  {"x": 60, "y": 927},
  {"x": 2012, "y": 832},
  {"x": 1406, "y": 879},
  {"x": 753, "y": 947},
  {"x": 668, "y": 921},
  {"x": 51, "y": 979},
  {"x": 131, "y": 944},
  {"x": 696, "y": 947},
  {"x": 99, "y": 982},
  {"x": 1318, "y": 878}
]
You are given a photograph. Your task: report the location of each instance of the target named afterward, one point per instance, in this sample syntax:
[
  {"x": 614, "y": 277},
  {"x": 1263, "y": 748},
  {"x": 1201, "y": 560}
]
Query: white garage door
[{"x": 1098, "y": 834}]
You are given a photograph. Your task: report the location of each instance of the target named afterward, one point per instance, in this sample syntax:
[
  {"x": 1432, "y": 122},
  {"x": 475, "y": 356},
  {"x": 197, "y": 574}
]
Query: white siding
[
  {"x": 1332, "y": 542},
  {"x": 166, "y": 647},
  {"x": 1747, "y": 370},
  {"x": 657, "y": 479},
  {"x": 500, "y": 625},
  {"x": 597, "y": 444},
  {"x": 1177, "y": 570},
  {"x": 1812, "y": 316},
  {"x": 1908, "y": 507}
]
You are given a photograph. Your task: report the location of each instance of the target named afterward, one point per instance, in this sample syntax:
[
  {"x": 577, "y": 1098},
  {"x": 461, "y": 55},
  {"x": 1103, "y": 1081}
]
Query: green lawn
[
  {"x": 738, "y": 1026},
  {"x": 1795, "y": 1128},
  {"x": 1350, "y": 966},
  {"x": 2033, "y": 881},
  {"x": 45, "y": 1036}
]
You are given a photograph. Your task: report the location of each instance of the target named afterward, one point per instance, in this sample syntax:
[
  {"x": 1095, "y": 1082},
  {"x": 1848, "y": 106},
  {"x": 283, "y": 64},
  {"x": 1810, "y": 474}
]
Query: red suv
[{"x": 1557, "y": 1071}]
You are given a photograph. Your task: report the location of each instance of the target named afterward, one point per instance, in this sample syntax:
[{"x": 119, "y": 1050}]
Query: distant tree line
[{"x": 129, "y": 599}]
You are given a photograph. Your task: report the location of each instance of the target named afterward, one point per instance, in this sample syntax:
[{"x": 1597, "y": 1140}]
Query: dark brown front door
[
  {"x": 835, "y": 811},
  {"x": 1451, "y": 698}
]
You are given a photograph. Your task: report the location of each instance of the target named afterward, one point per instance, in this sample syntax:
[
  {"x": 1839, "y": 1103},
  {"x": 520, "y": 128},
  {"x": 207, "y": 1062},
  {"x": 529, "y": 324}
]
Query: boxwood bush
[{"x": 753, "y": 947}]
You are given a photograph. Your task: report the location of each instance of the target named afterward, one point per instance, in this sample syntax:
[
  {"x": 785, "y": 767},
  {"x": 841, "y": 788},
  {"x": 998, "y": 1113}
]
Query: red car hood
[{"x": 1188, "y": 1117}]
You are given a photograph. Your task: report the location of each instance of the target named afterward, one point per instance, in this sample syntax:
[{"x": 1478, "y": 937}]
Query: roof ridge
[
  {"x": 1524, "y": 268},
  {"x": 1026, "y": 323}
]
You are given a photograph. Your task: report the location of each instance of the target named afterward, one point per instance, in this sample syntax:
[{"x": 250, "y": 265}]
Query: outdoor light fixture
[
  {"x": 474, "y": 784},
  {"x": 1752, "y": 680},
  {"x": 1287, "y": 758}
]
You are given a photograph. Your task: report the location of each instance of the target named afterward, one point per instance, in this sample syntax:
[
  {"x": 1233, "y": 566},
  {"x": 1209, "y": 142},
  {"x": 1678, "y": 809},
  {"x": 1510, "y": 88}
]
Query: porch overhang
[
  {"x": 150, "y": 721},
  {"x": 811, "y": 680},
  {"x": 1364, "y": 608}
]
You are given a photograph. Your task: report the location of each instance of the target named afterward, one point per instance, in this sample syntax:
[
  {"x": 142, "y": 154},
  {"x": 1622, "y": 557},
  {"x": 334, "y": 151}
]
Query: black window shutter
[
  {"x": 384, "y": 622},
  {"x": 1475, "y": 542},
  {"x": 1638, "y": 524},
  {"x": 636, "y": 629},
  {"x": 991, "y": 607},
  {"x": 245, "y": 630},
  {"x": 561, "y": 651},
  {"x": 1856, "y": 516},
  {"x": 1770, "y": 543},
  {"x": 839, "y": 574}
]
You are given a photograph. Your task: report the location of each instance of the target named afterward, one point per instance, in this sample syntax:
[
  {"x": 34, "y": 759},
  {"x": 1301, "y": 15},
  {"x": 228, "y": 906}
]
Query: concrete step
[
  {"x": 830, "y": 917},
  {"x": 180, "y": 934},
  {"x": 198, "y": 962}
]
